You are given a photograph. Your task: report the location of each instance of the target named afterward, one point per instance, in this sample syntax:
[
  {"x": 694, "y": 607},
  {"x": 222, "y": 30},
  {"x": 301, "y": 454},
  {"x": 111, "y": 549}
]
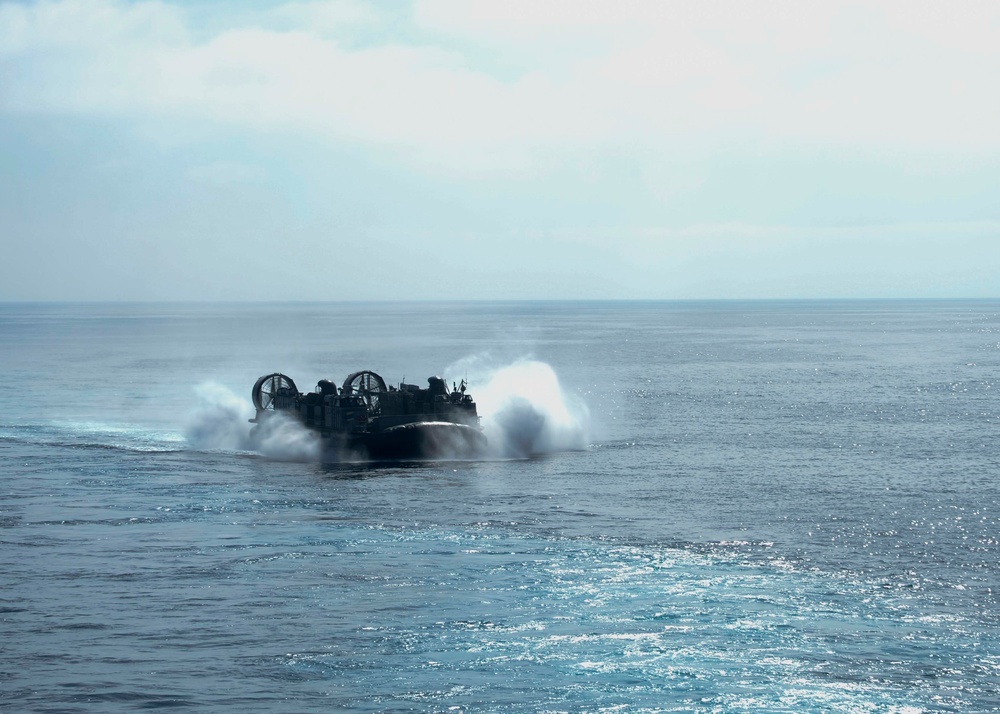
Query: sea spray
[
  {"x": 525, "y": 411},
  {"x": 220, "y": 423},
  {"x": 283, "y": 438}
]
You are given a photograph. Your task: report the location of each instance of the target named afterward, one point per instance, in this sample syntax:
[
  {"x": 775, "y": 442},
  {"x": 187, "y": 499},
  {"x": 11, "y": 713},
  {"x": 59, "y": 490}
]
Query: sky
[{"x": 483, "y": 150}]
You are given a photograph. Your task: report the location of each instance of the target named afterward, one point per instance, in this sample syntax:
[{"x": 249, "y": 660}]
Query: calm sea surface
[{"x": 692, "y": 506}]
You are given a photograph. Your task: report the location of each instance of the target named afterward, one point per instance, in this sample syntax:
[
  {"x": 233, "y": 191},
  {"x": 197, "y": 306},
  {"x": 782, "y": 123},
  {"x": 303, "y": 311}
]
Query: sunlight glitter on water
[{"x": 662, "y": 631}]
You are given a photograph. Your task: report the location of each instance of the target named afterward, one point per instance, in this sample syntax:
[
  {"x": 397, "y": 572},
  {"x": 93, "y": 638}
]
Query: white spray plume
[
  {"x": 285, "y": 439},
  {"x": 220, "y": 422},
  {"x": 525, "y": 410}
]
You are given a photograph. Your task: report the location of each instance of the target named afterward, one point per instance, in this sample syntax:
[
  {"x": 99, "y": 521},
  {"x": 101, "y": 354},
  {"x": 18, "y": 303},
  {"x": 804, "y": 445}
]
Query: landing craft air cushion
[{"x": 365, "y": 418}]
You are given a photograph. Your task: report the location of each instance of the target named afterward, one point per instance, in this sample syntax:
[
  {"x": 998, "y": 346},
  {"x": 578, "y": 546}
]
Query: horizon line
[{"x": 389, "y": 301}]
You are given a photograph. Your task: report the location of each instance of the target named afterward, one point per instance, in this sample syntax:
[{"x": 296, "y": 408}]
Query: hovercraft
[{"x": 364, "y": 418}]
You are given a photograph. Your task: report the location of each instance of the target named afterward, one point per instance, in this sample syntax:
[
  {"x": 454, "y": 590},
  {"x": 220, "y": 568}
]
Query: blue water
[{"x": 776, "y": 506}]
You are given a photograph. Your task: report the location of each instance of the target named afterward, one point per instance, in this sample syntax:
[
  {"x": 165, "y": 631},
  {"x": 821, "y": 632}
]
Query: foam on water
[{"x": 93, "y": 434}]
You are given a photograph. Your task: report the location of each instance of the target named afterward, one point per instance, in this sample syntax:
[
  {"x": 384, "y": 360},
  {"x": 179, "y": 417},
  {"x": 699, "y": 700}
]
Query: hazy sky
[{"x": 506, "y": 149}]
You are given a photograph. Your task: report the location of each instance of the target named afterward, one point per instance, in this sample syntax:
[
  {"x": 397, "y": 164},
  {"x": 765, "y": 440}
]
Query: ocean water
[{"x": 731, "y": 506}]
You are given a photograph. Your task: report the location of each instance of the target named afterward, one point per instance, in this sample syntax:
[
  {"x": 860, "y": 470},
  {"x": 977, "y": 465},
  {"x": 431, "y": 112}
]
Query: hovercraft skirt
[{"x": 426, "y": 440}]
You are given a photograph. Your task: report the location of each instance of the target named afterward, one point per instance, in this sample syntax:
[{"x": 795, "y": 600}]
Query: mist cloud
[
  {"x": 525, "y": 410},
  {"x": 220, "y": 423}
]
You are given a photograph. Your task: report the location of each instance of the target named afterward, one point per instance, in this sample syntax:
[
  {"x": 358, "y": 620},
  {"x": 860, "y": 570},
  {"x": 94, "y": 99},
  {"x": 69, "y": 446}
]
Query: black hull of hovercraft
[
  {"x": 424, "y": 440},
  {"x": 413, "y": 441}
]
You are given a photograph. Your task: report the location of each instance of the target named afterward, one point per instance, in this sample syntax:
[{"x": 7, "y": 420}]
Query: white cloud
[
  {"x": 655, "y": 74},
  {"x": 570, "y": 126}
]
